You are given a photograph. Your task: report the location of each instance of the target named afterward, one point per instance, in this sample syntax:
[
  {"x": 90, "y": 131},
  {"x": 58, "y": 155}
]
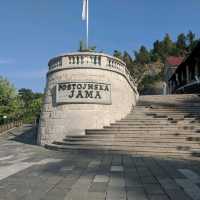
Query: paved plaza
[{"x": 30, "y": 172}]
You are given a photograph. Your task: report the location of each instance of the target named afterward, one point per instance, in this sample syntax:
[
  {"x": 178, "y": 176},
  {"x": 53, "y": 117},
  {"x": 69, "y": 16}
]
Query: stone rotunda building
[{"x": 84, "y": 90}]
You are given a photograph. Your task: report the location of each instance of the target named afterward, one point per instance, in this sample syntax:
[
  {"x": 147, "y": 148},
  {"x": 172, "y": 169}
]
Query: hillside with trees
[{"x": 147, "y": 65}]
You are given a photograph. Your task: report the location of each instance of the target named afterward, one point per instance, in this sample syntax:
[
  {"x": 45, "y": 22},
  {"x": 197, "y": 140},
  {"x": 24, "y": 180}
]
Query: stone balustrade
[{"x": 91, "y": 60}]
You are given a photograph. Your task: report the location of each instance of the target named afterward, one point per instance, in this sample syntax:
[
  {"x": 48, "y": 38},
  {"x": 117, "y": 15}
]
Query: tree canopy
[
  {"x": 10, "y": 104},
  {"x": 139, "y": 63},
  {"x": 32, "y": 103},
  {"x": 24, "y": 104}
]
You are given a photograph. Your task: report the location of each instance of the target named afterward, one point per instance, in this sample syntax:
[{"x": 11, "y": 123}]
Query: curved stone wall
[{"x": 84, "y": 91}]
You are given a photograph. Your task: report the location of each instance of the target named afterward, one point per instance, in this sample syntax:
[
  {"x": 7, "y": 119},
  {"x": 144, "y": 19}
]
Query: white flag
[{"x": 84, "y": 12}]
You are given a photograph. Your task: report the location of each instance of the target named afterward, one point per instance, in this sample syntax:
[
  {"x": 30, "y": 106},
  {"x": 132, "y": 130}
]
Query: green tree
[
  {"x": 169, "y": 47},
  {"x": 190, "y": 37},
  {"x": 181, "y": 44},
  {"x": 157, "y": 51},
  {"x": 117, "y": 54},
  {"x": 26, "y": 95},
  {"x": 7, "y": 91},
  {"x": 81, "y": 46},
  {"x": 32, "y": 103},
  {"x": 167, "y": 44},
  {"x": 10, "y": 104},
  {"x": 191, "y": 40},
  {"x": 162, "y": 49},
  {"x": 128, "y": 60},
  {"x": 35, "y": 107},
  {"x": 143, "y": 56}
]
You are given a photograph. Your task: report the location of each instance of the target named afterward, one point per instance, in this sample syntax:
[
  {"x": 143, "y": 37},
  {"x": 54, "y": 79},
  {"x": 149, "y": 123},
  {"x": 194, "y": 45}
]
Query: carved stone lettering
[
  {"x": 88, "y": 94},
  {"x": 83, "y": 92},
  {"x": 97, "y": 95},
  {"x": 79, "y": 95}
]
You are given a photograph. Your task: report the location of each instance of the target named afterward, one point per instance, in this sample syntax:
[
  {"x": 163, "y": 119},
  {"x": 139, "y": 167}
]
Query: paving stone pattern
[{"x": 29, "y": 172}]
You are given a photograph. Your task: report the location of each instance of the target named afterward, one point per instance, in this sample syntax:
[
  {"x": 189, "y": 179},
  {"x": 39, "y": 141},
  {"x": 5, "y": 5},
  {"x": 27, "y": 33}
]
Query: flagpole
[{"x": 87, "y": 26}]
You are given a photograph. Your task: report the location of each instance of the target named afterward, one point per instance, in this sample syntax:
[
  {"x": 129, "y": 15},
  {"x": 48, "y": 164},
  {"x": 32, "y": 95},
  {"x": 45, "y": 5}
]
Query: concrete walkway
[{"x": 29, "y": 172}]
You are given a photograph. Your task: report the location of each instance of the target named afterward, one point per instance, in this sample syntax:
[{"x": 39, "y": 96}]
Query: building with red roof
[
  {"x": 186, "y": 77},
  {"x": 171, "y": 64}
]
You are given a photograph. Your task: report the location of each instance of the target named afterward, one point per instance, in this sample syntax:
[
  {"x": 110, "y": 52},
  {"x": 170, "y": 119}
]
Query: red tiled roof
[{"x": 172, "y": 60}]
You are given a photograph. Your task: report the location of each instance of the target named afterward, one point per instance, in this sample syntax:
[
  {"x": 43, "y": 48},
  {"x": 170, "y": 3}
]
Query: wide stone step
[
  {"x": 141, "y": 131},
  {"x": 151, "y": 117},
  {"x": 123, "y": 123},
  {"x": 158, "y": 154},
  {"x": 189, "y": 113},
  {"x": 173, "y": 113},
  {"x": 133, "y": 144},
  {"x": 151, "y": 120},
  {"x": 157, "y": 111},
  {"x": 184, "y": 109},
  {"x": 176, "y": 140},
  {"x": 168, "y": 100},
  {"x": 145, "y": 128},
  {"x": 170, "y": 104},
  {"x": 168, "y": 122},
  {"x": 150, "y": 104},
  {"x": 136, "y": 121},
  {"x": 139, "y": 137},
  {"x": 161, "y": 118},
  {"x": 138, "y": 125},
  {"x": 132, "y": 150},
  {"x": 143, "y": 134}
]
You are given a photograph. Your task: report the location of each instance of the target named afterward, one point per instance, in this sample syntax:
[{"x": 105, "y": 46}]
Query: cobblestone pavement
[{"x": 29, "y": 172}]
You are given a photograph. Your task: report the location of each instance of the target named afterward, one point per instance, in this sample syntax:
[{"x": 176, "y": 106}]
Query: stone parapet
[{"x": 91, "y": 60}]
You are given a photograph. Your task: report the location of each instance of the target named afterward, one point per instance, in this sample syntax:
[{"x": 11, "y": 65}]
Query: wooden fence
[{"x": 8, "y": 126}]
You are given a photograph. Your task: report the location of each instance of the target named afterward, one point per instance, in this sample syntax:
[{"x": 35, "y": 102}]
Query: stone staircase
[{"x": 158, "y": 125}]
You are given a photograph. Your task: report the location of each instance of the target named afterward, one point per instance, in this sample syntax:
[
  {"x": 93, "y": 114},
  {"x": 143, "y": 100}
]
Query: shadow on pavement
[{"x": 27, "y": 134}]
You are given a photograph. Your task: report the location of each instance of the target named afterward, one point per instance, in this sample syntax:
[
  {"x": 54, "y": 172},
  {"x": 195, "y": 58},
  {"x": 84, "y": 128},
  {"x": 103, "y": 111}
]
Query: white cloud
[{"x": 6, "y": 61}]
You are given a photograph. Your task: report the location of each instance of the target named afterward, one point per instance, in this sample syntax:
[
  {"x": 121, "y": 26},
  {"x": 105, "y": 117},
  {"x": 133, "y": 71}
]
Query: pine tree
[
  {"x": 167, "y": 44},
  {"x": 117, "y": 54},
  {"x": 143, "y": 56},
  {"x": 191, "y": 40},
  {"x": 181, "y": 44}
]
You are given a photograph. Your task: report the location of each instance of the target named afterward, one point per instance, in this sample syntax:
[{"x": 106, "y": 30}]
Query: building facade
[
  {"x": 186, "y": 78},
  {"x": 171, "y": 65}
]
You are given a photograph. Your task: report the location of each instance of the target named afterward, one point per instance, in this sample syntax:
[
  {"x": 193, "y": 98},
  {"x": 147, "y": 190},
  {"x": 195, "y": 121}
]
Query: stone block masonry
[{"x": 84, "y": 90}]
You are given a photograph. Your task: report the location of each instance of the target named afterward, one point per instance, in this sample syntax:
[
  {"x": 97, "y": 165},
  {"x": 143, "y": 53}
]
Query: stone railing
[
  {"x": 8, "y": 126},
  {"x": 91, "y": 60}
]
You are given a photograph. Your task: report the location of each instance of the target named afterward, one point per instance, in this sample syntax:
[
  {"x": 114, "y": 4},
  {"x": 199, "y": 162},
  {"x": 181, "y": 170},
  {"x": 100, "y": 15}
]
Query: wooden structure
[{"x": 186, "y": 78}]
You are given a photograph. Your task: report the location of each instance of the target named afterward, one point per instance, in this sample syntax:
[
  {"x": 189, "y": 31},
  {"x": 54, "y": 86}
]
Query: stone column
[
  {"x": 187, "y": 74},
  {"x": 171, "y": 87},
  {"x": 196, "y": 70},
  {"x": 104, "y": 61},
  {"x": 65, "y": 61},
  {"x": 177, "y": 80},
  {"x": 168, "y": 87},
  {"x": 182, "y": 76}
]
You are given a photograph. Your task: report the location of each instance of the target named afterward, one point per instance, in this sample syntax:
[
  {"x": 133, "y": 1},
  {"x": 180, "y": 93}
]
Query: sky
[{"x": 33, "y": 31}]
